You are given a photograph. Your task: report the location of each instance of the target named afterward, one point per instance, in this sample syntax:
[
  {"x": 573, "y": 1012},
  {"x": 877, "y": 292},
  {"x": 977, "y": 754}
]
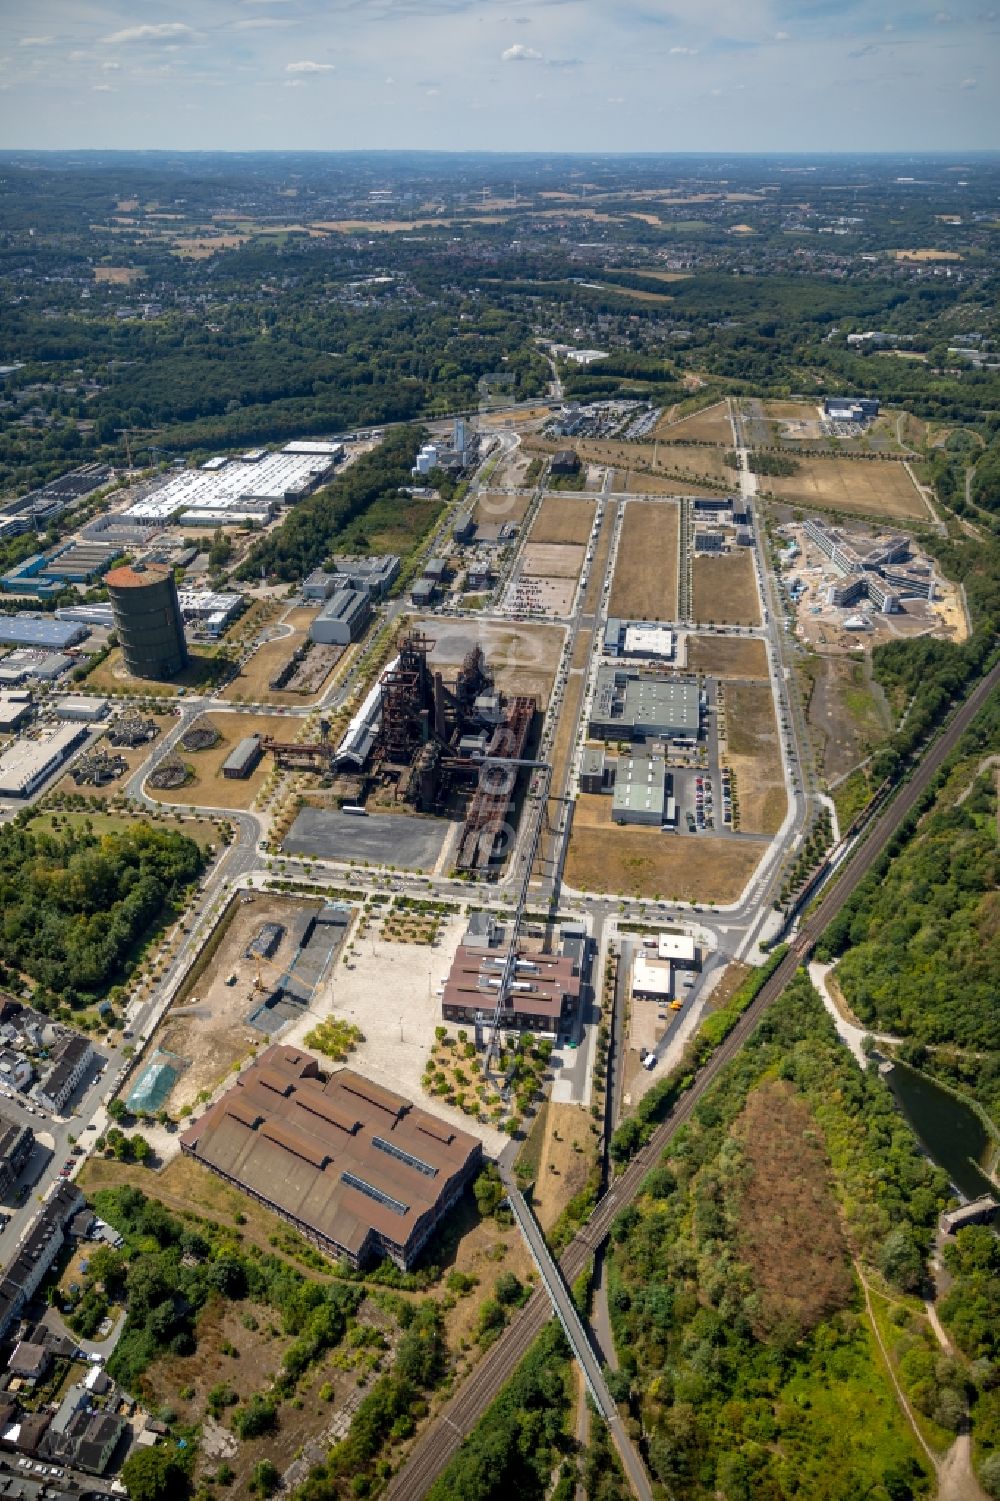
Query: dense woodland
[
  {"x": 76, "y": 907},
  {"x": 738, "y": 1316}
]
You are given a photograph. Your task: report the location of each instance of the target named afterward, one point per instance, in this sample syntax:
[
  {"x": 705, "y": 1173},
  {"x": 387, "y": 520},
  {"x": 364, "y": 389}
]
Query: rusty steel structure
[
  {"x": 407, "y": 705},
  {"x": 481, "y": 839}
]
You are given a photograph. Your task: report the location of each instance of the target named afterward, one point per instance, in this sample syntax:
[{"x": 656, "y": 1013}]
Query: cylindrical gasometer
[{"x": 147, "y": 617}]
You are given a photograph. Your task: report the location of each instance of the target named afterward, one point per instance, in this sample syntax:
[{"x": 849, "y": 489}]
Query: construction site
[{"x": 449, "y": 749}]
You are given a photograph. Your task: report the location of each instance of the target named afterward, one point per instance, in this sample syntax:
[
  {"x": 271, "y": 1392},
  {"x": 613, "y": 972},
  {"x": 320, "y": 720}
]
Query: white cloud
[
  {"x": 37, "y": 41},
  {"x": 163, "y": 31},
  {"x": 683, "y": 52},
  {"x": 943, "y": 17},
  {"x": 519, "y": 53},
  {"x": 265, "y": 23},
  {"x": 102, "y": 88},
  {"x": 432, "y": 93},
  {"x": 111, "y": 67},
  {"x": 969, "y": 83},
  {"x": 782, "y": 36},
  {"x": 309, "y": 67}
]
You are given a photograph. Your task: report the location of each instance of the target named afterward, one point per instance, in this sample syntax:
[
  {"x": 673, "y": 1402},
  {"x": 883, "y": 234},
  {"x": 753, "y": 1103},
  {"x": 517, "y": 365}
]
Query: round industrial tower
[{"x": 147, "y": 617}]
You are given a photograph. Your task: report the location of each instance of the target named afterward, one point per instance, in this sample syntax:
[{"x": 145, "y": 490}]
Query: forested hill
[
  {"x": 76, "y": 906},
  {"x": 307, "y": 536}
]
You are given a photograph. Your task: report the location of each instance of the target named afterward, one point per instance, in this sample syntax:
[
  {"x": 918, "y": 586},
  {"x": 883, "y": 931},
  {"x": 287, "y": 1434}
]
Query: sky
[{"x": 504, "y": 75}]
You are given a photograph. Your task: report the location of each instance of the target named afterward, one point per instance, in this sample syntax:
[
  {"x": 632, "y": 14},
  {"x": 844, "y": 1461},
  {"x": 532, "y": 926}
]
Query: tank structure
[{"x": 147, "y": 618}]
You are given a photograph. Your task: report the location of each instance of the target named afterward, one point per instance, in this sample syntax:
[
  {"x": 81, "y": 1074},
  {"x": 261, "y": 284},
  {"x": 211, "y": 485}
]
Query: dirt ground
[
  {"x": 710, "y": 425},
  {"x": 207, "y": 1022},
  {"x": 753, "y": 752},
  {"x": 847, "y": 718},
  {"x": 636, "y": 482},
  {"x": 494, "y": 508},
  {"x": 524, "y": 657},
  {"x": 727, "y": 656},
  {"x": 725, "y": 589},
  {"x": 640, "y": 862},
  {"x": 118, "y": 276},
  {"x": 872, "y": 488},
  {"x": 555, "y": 560},
  {"x": 645, "y": 580},
  {"x": 562, "y": 1169},
  {"x": 208, "y": 788},
  {"x": 563, "y": 518},
  {"x": 562, "y": 750}
]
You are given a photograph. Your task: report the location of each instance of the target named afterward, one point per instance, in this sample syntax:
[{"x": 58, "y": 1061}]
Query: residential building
[
  {"x": 16, "y": 1142},
  {"x": 37, "y": 1252},
  {"x": 73, "y": 1059},
  {"x": 359, "y": 1171}
]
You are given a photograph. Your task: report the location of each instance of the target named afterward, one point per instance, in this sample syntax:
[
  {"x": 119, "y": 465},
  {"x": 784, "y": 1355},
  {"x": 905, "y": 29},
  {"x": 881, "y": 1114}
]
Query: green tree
[{"x": 155, "y": 1475}]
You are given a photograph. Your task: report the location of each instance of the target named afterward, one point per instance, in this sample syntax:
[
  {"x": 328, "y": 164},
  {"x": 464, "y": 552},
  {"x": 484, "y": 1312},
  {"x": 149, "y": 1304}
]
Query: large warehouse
[
  {"x": 631, "y": 705},
  {"x": 359, "y": 1171}
]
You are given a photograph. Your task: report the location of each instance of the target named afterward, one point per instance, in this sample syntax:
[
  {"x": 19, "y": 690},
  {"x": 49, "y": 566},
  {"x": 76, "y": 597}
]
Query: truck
[{"x": 356, "y": 809}]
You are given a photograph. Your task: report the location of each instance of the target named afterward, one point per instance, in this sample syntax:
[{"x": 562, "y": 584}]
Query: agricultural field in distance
[
  {"x": 869, "y": 488},
  {"x": 727, "y": 657},
  {"x": 645, "y": 579},
  {"x": 638, "y": 862},
  {"x": 725, "y": 588},
  {"x": 563, "y": 519},
  {"x": 754, "y": 753}
]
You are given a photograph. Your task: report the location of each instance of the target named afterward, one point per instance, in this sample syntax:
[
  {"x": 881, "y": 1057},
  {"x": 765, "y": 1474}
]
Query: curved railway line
[{"x": 440, "y": 1442}]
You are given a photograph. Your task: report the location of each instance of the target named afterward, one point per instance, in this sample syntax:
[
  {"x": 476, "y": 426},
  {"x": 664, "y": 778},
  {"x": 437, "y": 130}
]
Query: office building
[
  {"x": 26, "y": 765},
  {"x": 543, "y": 995},
  {"x": 640, "y": 789},
  {"x": 635, "y": 705}
]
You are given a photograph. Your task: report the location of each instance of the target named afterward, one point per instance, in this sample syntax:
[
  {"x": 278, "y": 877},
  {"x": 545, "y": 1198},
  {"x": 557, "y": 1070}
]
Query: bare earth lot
[
  {"x": 847, "y": 718},
  {"x": 645, "y": 580},
  {"x": 727, "y": 657},
  {"x": 753, "y": 752},
  {"x": 725, "y": 590},
  {"x": 524, "y": 657},
  {"x": 207, "y": 1023},
  {"x": 606, "y": 858},
  {"x": 873, "y": 488},
  {"x": 208, "y": 788},
  {"x": 554, "y": 560},
  {"x": 563, "y": 518}
]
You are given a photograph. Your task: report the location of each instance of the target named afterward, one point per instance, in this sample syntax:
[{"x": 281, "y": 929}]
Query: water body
[{"x": 952, "y": 1134}]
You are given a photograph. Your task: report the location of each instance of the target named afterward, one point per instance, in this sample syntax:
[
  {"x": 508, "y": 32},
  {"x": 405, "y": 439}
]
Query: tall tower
[{"x": 147, "y": 617}]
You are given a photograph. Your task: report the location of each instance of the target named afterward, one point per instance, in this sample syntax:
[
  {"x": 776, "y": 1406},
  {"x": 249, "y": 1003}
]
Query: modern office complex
[{"x": 148, "y": 620}]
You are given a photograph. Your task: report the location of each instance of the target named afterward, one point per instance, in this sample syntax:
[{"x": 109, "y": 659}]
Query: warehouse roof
[
  {"x": 347, "y": 1158},
  {"x": 28, "y": 628}
]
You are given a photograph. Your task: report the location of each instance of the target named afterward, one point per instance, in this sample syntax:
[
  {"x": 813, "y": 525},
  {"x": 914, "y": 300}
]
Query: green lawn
[{"x": 201, "y": 830}]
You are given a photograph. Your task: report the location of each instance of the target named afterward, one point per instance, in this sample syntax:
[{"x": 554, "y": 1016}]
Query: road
[{"x": 440, "y": 1442}]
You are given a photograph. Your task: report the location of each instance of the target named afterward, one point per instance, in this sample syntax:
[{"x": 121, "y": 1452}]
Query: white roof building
[
  {"x": 652, "y": 979},
  {"x": 679, "y": 948},
  {"x": 643, "y": 640}
]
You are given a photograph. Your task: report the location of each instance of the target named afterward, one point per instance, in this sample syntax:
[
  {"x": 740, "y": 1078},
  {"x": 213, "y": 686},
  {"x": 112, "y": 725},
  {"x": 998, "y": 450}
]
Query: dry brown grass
[
  {"x": 200, "y": 249},
  {"x": 710, "y": 425},
  {"x": 927, "y": 255},
  {"x": 567, "y": 1158},
  {"x": 789, "y": 1228},
  {"x": 494, "y": 508},
  {"x": 735, "y": 657},
  {"x": 208, "y": 788},
  {"x": 638, "y": 862},
  {"x": 872, "y": 488},
  {"x": 563, "y": 518},
  {"x": 755, "y": 756},
  {"x": 725, "y": 589},
  {"x": 645, "y": 580},
  {"x": 637, "y": 482},
  {"x": 551, "y": 560},
  {"x": 110, "y": 676}
]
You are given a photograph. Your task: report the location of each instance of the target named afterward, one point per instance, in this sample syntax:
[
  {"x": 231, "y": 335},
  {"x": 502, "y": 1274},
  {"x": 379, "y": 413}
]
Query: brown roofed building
[
  {"x": 542, "y": 997},
  {"x": 358, "y": 1170}
]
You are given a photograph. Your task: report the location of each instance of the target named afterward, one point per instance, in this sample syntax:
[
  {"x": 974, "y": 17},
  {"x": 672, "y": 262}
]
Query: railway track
[{"x": 433, "y": 1452}]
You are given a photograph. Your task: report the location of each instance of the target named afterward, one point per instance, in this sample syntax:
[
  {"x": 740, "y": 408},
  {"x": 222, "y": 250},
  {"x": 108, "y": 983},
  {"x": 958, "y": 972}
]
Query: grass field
[
  {"x": 637, "y": 862},
  {"x": 711, "y": 425},
  {"x": 637, "y": 482},
  {"x": 722, "y": 657},
  {"x": 208, "y": 788},
  {"x": 755, "y": 755},
  {"x": 389, "y": 525},
  {"x": 725, "y": 590},
  {"x": 563, "y": 519},
  {"x": 201, "y": 830},
  {"x": 871, "y": 488},
  {"x": 251, "y": 683},
  {"x": 645, "y": 579},
  {"x": 201, "y": 673}
]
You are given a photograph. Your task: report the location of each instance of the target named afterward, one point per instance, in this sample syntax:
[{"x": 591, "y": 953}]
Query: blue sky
[{"x": 545, "y": 75}]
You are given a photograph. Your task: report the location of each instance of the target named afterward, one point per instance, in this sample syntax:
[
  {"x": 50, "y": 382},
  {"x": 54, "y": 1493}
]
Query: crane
[{"x": 134, "y": 432}]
